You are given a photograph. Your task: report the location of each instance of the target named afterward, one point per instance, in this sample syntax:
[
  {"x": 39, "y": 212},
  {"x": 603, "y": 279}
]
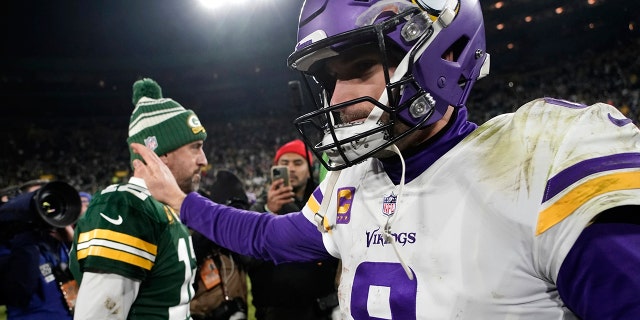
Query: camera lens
[
  {"x": 52, "y": 206},
  {"x": 58, "y": 204}
]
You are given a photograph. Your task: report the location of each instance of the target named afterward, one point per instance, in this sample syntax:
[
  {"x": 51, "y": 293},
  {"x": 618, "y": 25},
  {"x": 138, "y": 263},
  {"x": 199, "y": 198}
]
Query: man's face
[
  {"x": 186, "y": 164},
  {"x": 298, "y": 169},
  {"x": 357, "y": 73}
]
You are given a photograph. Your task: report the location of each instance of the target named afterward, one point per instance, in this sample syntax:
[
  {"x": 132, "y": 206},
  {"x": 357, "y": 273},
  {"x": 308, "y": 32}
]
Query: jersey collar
[{"x": 422, "y": 156}]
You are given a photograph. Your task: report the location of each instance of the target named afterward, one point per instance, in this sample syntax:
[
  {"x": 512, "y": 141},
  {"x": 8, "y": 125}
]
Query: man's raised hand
[{"x": 159, "y": 179}]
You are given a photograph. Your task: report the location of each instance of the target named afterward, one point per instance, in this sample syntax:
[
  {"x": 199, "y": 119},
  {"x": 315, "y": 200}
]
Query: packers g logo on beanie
[{"x": 161, "y": 124}]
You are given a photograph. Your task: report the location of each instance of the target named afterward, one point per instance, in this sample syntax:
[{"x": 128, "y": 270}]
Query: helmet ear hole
[
  {"x": 462, "y": 82},
  {"x": 454, "y": 51}
]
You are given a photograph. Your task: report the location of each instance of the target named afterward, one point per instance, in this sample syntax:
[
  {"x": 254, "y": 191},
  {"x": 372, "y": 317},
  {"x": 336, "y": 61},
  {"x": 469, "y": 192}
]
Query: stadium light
[{"x": 216, "y": 4}]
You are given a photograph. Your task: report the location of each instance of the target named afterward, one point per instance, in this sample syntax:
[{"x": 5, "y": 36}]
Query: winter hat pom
[
  {"x": 161, "y": 124},
  {"x": 146, "y": 88}
]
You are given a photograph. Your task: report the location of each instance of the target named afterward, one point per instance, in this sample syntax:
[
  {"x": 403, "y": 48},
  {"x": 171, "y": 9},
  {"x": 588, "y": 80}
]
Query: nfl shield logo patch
[
  {"x": 389, "y": 204},
  {"x": 151, "y": 143}
]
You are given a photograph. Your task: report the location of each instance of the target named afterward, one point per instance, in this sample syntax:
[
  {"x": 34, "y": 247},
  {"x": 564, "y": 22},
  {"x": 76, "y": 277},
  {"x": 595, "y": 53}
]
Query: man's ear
[{"x": 164, "y": 158}]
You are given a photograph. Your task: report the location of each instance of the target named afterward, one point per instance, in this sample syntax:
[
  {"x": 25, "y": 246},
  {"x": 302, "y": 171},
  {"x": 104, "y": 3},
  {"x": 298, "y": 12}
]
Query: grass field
[{"x": 251, "y": 310}]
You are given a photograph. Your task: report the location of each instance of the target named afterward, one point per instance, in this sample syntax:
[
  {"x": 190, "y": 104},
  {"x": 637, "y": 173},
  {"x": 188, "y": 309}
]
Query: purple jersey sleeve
[
  {"x": 600, "y": 277},
  {"x": 284, "y": 238}
]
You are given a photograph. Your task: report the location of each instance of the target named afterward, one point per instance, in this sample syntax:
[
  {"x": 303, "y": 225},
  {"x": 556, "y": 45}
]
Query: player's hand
[
  {"x": 279, "y": 195},
  {"x": 158, "y": 177}
]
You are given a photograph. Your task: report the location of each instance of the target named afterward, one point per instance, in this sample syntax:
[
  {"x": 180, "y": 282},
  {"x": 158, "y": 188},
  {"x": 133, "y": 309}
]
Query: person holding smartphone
[
  {"x": 291, "y": 290},
  {"x": 291, "y": 181}
]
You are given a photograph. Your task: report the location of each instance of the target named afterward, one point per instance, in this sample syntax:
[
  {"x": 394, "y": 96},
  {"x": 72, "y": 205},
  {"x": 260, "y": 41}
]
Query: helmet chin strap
[
  {"x": 324, "y": 225},
  {"x": 388, "y": 235}
]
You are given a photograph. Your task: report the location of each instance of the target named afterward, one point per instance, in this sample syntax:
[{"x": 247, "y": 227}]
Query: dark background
[
  {"x": 79, "y": 58},
  {"x": 67, "y": 68}
]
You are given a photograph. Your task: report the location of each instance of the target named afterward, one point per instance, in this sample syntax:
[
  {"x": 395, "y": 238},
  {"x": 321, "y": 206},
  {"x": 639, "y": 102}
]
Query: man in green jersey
[{"x": 131, "y": 254}]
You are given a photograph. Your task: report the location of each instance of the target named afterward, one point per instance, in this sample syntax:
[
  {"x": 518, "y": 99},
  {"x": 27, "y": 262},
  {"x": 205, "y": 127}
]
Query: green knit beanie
[{"x": 161, "y": 124}]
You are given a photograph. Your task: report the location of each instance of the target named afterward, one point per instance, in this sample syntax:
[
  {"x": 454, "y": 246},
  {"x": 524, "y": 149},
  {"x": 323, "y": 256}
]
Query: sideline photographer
[{"x": 35, "y": 234}]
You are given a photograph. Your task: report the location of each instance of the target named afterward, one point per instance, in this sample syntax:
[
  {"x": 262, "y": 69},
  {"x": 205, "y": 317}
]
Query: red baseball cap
[{"x": 295, "y": 146}]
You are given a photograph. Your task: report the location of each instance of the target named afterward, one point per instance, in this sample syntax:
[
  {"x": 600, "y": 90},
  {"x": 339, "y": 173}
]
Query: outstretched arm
[
  {"x": 284, "y": 238},
  {"x": 287, "y": 238}
]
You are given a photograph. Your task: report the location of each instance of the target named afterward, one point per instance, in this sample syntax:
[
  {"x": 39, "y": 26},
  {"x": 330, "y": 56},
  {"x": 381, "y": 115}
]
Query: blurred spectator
[
  {"x": 281, "y": 199},
  {"x": 85, "y": 198}
]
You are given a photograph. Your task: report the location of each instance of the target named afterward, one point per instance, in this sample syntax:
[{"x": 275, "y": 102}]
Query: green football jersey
[{"x": 127, "y": 232}]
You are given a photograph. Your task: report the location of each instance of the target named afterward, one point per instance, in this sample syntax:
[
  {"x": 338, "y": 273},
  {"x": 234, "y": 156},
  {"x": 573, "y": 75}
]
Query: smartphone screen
[{"x": 280, "y": 172}]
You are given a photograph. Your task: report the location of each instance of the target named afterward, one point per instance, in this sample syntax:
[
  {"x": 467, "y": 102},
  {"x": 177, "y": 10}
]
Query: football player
[
  {"x": 133, "y": 256},
  {"x": 532, "y": 215}
]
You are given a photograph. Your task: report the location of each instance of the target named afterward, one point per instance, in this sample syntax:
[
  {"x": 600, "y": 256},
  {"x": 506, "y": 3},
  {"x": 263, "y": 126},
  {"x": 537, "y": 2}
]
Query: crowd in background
[
  {"x": 91, "y": 154},
  {"x": 610, "y": 77}
]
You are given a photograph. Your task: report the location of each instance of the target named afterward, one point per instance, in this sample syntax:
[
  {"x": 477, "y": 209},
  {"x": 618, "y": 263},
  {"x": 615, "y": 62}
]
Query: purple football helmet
[{"x": 420, "y": 35}]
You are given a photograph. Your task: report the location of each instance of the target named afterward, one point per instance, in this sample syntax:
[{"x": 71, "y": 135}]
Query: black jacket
[{"x": 291, "y": 285}]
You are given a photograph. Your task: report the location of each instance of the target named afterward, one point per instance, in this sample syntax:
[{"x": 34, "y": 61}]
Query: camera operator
[{"x": 35, "y": 282}]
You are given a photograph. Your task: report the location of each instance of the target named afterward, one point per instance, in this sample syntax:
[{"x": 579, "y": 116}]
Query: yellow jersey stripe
[
  {"x": 116, "y": 246},
  {"x": 313, "y": 204},
  {"x": 113, "y": 254},
  {"x": 571, "y": 201},
  {"x": 119, "y": 237}
]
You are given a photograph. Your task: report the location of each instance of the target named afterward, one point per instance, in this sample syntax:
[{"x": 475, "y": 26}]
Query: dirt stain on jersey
[{"x": 111, "y": 306}]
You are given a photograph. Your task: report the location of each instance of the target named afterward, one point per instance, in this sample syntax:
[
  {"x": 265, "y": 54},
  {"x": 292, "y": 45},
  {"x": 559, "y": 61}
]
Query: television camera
[{"x": 55, "y": 205}]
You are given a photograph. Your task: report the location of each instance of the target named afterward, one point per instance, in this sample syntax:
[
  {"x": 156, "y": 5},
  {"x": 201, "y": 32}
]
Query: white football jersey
[{"x": 485, "y": 229}]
